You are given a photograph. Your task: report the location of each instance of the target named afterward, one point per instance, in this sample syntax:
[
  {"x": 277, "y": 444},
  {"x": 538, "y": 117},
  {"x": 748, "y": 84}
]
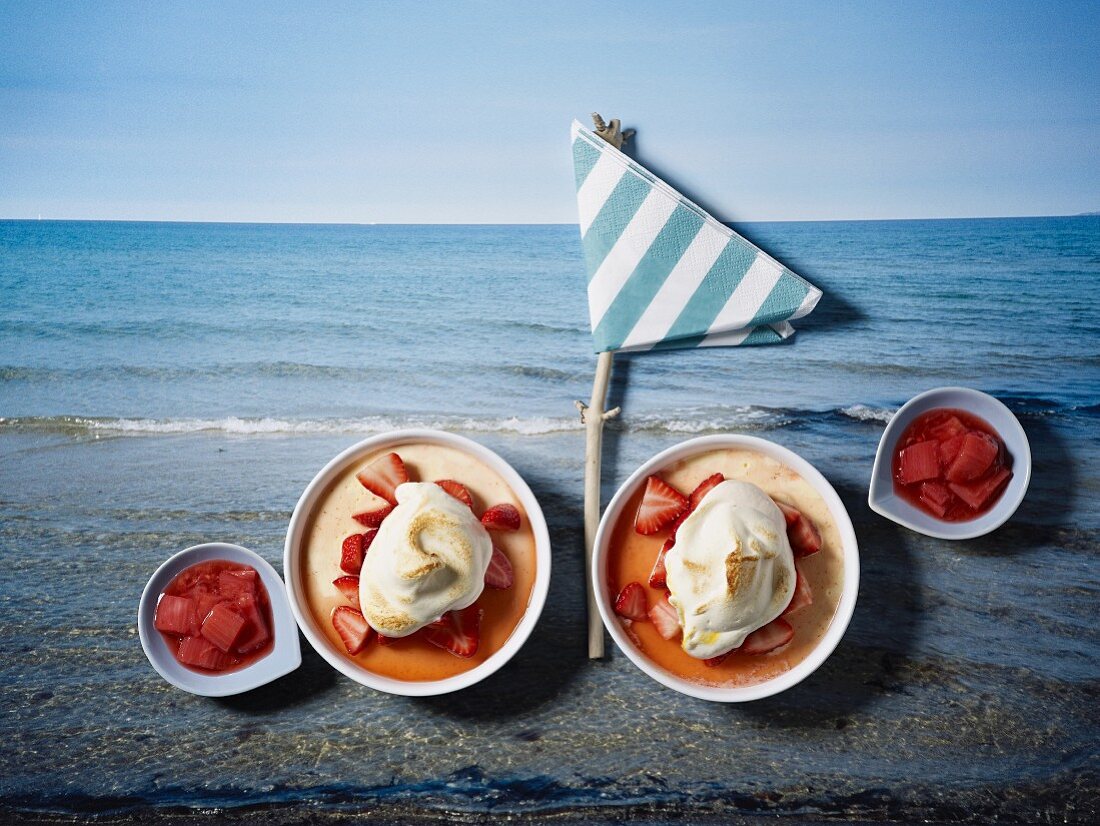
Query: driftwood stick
[{"x": 593, "y": 415}]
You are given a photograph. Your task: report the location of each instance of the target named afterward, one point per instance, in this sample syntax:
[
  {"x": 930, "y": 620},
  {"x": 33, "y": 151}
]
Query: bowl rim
[
  {"x": 286, "y": 653},
  {"x": 340, "y": 661},
  {"x": 849, "y": 550},
  {"x": 1016, "y": 439}
]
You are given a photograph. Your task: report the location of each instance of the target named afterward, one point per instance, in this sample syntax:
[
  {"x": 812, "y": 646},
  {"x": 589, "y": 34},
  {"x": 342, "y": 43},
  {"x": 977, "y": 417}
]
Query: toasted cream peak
[
  {"x": 731, "y": 570},
  {"x": 429, "y": 557}
]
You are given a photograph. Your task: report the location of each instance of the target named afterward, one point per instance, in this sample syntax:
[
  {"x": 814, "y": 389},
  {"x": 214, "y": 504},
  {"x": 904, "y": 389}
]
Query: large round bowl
[
  {"x": 299, "y": 523},
  {"x": 849, "y": 551}
]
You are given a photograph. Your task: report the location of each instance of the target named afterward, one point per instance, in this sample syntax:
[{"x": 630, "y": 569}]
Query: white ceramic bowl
[
  {"x": 882, "y": 499},
  {"x": 299, "y": 522},
  {"x": 849, "y": 550},
  {"x": 285, "y": 655}
]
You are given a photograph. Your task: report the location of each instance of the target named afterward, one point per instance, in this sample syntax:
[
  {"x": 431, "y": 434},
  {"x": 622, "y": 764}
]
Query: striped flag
[{"x": 663, "y": 273}]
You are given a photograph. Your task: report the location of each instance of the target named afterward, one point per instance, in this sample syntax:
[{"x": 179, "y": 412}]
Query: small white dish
[
  {"x": 845, "y": 607},
  {"x": 285, "y": 656},
  {"x": 299, "y": 521},
  {"x": 884, "y": 501}
]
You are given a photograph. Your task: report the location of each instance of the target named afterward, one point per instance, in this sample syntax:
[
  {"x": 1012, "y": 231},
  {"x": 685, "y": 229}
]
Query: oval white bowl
[
  {"x": 337, "y": 658},
  {"x": 882, "y": 499},
  {"x": 285, "y": 656},
  {"x": 849, "y": 550}
]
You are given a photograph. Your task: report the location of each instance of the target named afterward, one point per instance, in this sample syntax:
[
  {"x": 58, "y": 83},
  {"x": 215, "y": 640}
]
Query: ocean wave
[{"x": 865, "y": 413}]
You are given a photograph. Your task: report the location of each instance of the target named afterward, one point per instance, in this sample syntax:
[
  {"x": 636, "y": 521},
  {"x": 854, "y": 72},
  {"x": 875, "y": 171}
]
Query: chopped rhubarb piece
[
  {"x": 499, "y": 574},
  {"x": 503, "y": 517},
  {"x": 976, "y": 455},
  {"x": 705, "y": 487},
  {"x": 804, "y": 537},
  {"x": 790, "y": 515},
  {"x": 354, "y": 550},
  {"x": 204, "y": 604},
  {"x": 349, "y": 587},
  {"x": 976, "y": 494},
  {"x": 200, "y": 653},
  {"x": 949, "y": 449},
  {"x": 255, "y": 633},
  {"x": 372, "y": 519},
  {"x": 665, "y": 619},
  {"x": 658, "y": 577},
  {"x": 776, "y": 633},
  {"x": 222, "y": 626},
  {"x": 936, "y": 497},
  {"x": 458, "y": 491},
  {"x": 456, "y": 631},
  {"x": 947, "y": 429},
  {"x": 174, "y": 615},
  {"x": 803, "y": 595},
  {"x": 352, "y": 627},
  {"x": 919, "y": 462},
  {"x": 660, "y": 506},
  {"x": 382, "y": 476},
  {"x": 631, "y": 602},
  {"x": 232, "y": 584}
]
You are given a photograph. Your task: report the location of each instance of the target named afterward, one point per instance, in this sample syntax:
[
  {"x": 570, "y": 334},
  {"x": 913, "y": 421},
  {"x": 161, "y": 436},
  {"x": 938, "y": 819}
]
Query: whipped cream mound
[
  {"x": 731, "y": 570},
  {"x": 428, "y": 557}
]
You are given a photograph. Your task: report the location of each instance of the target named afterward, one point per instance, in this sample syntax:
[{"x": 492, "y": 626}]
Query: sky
[{"x": 459, "y": 112}]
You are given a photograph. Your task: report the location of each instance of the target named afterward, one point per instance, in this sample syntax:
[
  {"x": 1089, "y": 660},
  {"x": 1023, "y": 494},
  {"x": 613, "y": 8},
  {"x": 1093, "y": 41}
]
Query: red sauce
[
  {"x": 216, "y": 616},
  {"x": 951, "y": 464}
]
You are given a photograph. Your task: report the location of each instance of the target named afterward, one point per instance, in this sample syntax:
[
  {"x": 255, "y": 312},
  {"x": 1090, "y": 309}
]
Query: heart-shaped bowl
[
  {"x": 285, "y": 655},
  {"x": 314, "y": 495},
  {"x": 848, "y": 551},
  {"x": 883, "y": 500}
]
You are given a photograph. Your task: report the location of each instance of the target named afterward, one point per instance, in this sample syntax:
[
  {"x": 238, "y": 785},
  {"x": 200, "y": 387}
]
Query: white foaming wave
[{"x": 864, "y": 413}]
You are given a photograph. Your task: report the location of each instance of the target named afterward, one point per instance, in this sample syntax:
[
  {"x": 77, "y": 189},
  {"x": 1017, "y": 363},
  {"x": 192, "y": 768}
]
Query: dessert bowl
[
  {"x": 284, "y": 657},
  {"x": 883, "y": 499},
  {"x": 312, "y": 548},
  {"x": 840, "y": 546}
]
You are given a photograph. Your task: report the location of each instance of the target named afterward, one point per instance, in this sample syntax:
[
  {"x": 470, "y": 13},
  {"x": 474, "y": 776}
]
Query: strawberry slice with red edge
[
  {"x": 354, "y": 550},
  {"x": 658, "y": 577},
  {"x": 803, "y": 535},
  {"x": 372, "y": 519},
  {"x": 349, "y": 587},
  {"x": 803, "y": 595},
  {"x": 631, "y": 602},
  {"x": 456, "y": 631},
  {"x": 660, "y": 506},
  {"x": 790, "y": 515},
  {"x": 384, "y": 641},
  {"x": 382, "y": 476},
  {"x": 504, "y": 517},
  {"x": 353, "y": 628},
  {"x": 499, "y": 574},
  {"x": 714, "y": 662},
  {"x": 776, "y": 633},
  {"x": 458, "y": 491},
  {"x": 664, "y": 618},
  {"x": 705, "y": 487}
]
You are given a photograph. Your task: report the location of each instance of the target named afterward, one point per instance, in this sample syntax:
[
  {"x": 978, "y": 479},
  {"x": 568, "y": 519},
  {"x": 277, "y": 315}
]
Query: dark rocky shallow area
[{"x": 964, "y": 691}]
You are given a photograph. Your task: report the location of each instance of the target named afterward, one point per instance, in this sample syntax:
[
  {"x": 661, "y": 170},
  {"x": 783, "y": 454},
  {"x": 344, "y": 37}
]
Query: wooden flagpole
[{"x": 593, "y": 415}]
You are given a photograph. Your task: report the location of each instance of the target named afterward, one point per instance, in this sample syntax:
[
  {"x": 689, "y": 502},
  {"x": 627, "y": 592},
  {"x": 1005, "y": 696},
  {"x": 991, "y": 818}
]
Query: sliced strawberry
[
  {"x": 664, "y": 618},
  {"x": 975, "y": 457},
  {"x": 790, "y": 515},
  {"x": 458, "y": 491},
  {"x": 372, "y": 519},
  {"x": 658, "y": 577},
  {"x": 385, "y": 641},
  {"x": 976, "y": 494},
  {"x": 174, "y": 615},
  {"x": 503, "y": 517},
  {"x": 919, "y": 462},
  {"x": 936, "y": 497},
  {"x": 349, "y": 587},
  {"x": 776, "y": 633},
  {"x": 631, "y": 602},
  {"x": 704, "y": 488},
  {"x": 804, "y": 537},
  {"x": 232, "y": 584},
  {"x": 803, "y": 595},
  {"x": 255, "y": 632},
  {"x": 354, "y": 550},
  {"x": 456, "y": 631},
  {"x": 714, "y": 662},
  {"x": 352, "y": 627},
  {"x": 499, "y": 574},
  {"x": 201, "y": 653},
  {"x": 382, "y": 476},
  {"x": 222, "y": 626},
  {"x": 660, "y": 506}
]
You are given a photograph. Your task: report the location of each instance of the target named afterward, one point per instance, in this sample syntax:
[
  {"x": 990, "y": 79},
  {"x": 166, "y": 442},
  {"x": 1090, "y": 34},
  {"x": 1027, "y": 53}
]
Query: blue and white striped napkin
[{"x": 662, "y": 273}]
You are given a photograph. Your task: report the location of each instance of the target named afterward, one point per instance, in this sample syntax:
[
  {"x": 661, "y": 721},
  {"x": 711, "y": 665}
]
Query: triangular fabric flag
[{"x": 663, "y": 273}]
